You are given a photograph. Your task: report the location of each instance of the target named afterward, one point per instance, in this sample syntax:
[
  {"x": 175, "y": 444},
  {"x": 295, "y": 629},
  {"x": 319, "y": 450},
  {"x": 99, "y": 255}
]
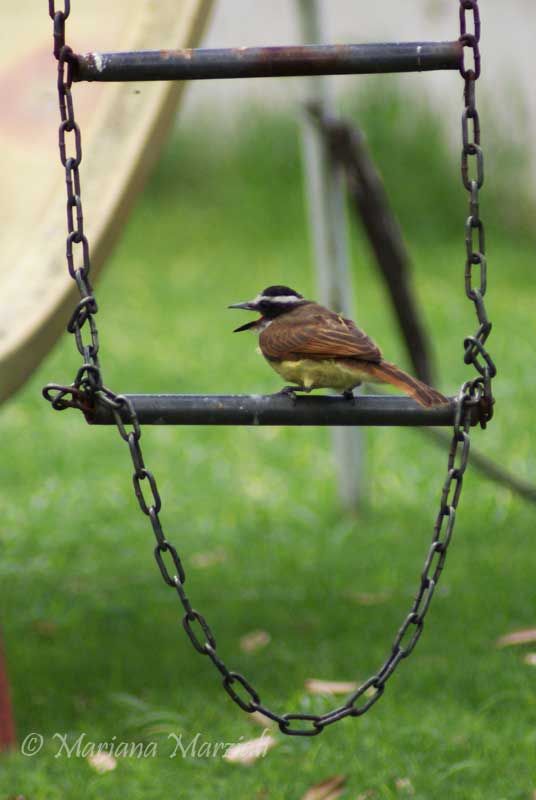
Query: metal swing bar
[
  {"x": 177, "y": 409},
  {"x": 268, "y": 62}
]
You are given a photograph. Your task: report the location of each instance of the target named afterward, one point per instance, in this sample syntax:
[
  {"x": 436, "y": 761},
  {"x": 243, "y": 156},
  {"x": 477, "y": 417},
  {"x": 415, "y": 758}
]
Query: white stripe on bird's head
[{"x": 286, "y": 299}]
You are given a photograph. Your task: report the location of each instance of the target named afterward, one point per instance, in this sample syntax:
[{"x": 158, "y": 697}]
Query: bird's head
[{"x": 270, "y": 303}]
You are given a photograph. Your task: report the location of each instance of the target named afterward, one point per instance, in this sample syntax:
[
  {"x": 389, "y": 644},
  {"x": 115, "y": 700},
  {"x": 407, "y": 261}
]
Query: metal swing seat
[{"x": 102, "y": 406}]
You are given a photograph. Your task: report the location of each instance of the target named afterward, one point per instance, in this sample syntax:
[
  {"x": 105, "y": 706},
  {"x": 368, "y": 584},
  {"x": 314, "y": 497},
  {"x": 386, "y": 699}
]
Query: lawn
[{"x": 95, "y": 643}]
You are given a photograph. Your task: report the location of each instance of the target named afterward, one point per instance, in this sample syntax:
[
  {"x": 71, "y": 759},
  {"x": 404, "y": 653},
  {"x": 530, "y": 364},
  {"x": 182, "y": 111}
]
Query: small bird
[{"x": 312, "y": 347}]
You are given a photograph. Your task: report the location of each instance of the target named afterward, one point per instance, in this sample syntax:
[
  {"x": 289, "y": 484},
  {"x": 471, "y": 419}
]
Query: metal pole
[
  {"x": 184, "y": 409},
  {"x": 325, "y": 188},
  {"x": 268, "y": 62}
]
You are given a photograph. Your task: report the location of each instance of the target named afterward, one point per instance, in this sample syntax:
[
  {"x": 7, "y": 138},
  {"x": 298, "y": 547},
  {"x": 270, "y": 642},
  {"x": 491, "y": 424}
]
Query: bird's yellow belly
[{"x": 326, "y": 374}]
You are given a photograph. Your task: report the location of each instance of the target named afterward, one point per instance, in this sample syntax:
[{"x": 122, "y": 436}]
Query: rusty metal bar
[
  {"x": 191, "y": 409},
  {"x": 268, "y": 62}
]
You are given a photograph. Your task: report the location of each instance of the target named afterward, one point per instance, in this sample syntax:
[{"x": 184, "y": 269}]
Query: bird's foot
[
  {"x": 348, "y": 394},
  {"x": 290, "y": 391}
]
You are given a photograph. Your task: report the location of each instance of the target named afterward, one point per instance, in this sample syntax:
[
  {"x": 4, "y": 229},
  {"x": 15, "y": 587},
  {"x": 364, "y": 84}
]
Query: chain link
[
  {"x": 58, "y": 18},
  {"x": 88, "y": 389}
]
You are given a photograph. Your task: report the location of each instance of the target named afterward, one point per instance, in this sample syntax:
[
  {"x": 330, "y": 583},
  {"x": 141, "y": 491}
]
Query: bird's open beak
[
  {"x": 248, "y": 326},
  {"x": 249, "y": 305}
]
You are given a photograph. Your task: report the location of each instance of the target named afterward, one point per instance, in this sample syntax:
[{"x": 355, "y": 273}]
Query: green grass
[{"x": 94, "y": 640}]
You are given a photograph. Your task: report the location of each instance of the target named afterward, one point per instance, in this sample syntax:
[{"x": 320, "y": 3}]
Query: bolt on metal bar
[
  {"x": 267, "y": 62},
  {"x": 191, "y": 409}
]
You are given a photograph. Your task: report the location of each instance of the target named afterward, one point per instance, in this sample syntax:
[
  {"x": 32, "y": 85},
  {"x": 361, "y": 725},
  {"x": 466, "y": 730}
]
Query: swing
[{"x": 100, "y": 405}]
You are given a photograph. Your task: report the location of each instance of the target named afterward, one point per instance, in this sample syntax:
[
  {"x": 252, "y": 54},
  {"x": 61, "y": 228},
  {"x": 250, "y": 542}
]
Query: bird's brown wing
[{"x": 312, "y": 331}]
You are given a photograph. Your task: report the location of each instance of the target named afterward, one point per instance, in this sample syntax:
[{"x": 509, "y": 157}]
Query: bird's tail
[{"x": 385, "y": 372}]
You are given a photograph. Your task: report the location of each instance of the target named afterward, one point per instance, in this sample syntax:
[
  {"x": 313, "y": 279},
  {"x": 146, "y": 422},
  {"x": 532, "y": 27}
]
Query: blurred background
[
  {"x": 93, "y": 643},
  {"x": 506, "y": 49}
]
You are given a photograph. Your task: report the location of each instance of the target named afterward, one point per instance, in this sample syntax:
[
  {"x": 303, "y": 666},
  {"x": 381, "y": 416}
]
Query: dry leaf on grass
[
  {"x": 45, "y": 628},
  {"x": 260, "y": 719},
  {"x": 254, "y": 641},
  {"x": 527, "y": 636},
  {"x": 329, "y": 789},
  {"x": 369, "y": 598},
  {"x": 530, "y": 659},
  {"x": 248, "y": 752},
  {"x": 208, "y": 559},
  {"x": 316, "y": 686},
  {"x": 404, "y": 785},
  {"x": 102, "y": 762}
]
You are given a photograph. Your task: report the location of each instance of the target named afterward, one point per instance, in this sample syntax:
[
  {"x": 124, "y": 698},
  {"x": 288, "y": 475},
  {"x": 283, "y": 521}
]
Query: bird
[{"x": 312, "y": 347}]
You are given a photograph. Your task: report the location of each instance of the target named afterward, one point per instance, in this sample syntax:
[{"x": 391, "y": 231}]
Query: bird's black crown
[{"x": 280, "y": 291}]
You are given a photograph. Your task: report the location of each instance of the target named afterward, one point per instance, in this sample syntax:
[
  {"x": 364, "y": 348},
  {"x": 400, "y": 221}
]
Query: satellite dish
[{"x": 124, "y": 126}]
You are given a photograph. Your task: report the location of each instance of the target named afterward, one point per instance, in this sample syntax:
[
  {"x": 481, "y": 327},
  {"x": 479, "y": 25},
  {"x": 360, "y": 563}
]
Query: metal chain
[
  {"x": 88, "y": 389},
  {"x": 472, "y": 164}
]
